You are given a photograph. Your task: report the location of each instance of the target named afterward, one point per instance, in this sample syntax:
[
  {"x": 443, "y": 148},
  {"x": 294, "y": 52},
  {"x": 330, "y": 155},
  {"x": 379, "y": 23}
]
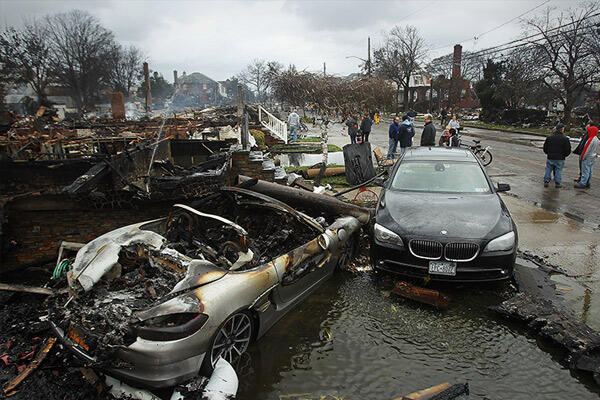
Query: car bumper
[
  {"x": 152, "y": 375},
  {"x": 496, "y": 267}
]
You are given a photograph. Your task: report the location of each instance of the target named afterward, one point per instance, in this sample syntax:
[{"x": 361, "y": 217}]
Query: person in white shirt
[
  {"x": 453, "y": 124},
  {"x": 294, "y": 122}
]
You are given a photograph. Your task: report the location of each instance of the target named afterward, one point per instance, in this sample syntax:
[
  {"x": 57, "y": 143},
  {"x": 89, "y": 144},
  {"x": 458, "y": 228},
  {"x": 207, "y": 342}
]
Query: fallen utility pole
[{"x": 302, "y": 198}]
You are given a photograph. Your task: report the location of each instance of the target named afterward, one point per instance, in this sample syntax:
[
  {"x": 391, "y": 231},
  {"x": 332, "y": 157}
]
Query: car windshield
[{"x": 440, "y": 176}]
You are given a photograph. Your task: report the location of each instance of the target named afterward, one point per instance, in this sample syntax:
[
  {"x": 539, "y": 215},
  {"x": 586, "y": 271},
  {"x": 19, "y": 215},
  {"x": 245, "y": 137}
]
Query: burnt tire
[{"x": 230, "y": 341}]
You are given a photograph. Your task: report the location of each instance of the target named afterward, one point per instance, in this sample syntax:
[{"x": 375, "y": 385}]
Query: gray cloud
[{"x": 219, "y": 38}]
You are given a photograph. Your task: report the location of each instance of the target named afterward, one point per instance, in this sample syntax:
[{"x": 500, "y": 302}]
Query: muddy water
[{"x": 351, "y": 339}]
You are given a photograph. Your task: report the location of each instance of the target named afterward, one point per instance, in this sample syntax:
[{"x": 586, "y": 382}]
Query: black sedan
[{"x": 439, "y": 217}]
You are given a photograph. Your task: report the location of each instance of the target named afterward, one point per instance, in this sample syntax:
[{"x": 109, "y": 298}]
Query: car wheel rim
[{"x": 232, "y": 338}]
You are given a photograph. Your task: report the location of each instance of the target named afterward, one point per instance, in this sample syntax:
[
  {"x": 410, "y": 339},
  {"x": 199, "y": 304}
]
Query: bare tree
[
  {"x": 258, "y": 76},
  {"x": 25, "y": 52},
  {"x": 400, "y": 56},
  {"x": 126, "y": 69},
  {"x": 81, "y": 54},
  {"x": 471, "y": 66},
  {"x": 565, "y": 60}
]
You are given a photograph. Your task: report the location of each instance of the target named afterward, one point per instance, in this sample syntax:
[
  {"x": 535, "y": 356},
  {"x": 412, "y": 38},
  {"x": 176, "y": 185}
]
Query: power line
[
  {"x": 498, "y": 27},
  {"x": 502, "y": 47},
  {"x": 509, "y": 21}
]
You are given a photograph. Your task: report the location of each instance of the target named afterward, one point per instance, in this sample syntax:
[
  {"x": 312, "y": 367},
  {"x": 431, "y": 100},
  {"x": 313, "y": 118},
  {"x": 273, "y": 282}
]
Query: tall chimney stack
[
  {"x": 175, "y": 78},
  {"x": 147, "y": 87},
  {"x": 456, "y": 60}
]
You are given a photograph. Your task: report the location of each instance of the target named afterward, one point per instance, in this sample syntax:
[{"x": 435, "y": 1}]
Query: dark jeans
[
  {"x": 366, "y": 136},
  {"x": 352, "y": 138}
]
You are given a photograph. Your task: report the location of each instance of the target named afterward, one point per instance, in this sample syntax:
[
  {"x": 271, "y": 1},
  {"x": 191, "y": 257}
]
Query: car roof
[{"x": 438, "y": 154}]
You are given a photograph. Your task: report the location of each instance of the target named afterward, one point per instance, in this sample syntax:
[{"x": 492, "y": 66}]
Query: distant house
[
  {"x": 17, "y": 97},
  {"x": 197, "y": 89}
]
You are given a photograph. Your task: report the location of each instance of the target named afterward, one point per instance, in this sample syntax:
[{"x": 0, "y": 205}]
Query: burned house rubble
[{"x": 76, "y": 179}]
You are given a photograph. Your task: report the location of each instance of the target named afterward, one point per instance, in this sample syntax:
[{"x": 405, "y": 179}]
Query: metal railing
[{"x": 276, "y": 126}]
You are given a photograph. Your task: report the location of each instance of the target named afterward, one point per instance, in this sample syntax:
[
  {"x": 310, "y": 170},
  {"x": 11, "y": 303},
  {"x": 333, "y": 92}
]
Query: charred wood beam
[
  {"x": 89, "y": 180},
  {"x": 302, "y": 198}
]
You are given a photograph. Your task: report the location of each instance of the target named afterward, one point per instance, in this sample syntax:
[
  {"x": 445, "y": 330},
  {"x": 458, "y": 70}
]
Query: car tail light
[{"x": 172, "y": 326}]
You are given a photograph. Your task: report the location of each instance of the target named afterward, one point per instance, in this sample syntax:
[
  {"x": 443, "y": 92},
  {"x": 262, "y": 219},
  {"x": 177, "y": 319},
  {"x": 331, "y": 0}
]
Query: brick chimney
[
  {"x": 175, "y": 78},
  {"x": 456, "y": 59}
]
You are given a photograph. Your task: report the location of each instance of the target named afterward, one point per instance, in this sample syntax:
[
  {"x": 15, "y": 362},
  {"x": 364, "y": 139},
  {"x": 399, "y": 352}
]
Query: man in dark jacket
[
  {"x": 428, "y": 134},
  {"x": 365, "y": 127},
  {"x": 394, "y": 135},
  {"x": 405, "y": 133},
  {"x": 352, "y": 128},
  {"x": 557, "y": 146}
]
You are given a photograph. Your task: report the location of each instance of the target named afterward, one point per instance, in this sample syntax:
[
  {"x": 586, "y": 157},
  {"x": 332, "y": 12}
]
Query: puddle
[
  {"x": 305, "y": 159},
  {"x": 349, "y": 341}
]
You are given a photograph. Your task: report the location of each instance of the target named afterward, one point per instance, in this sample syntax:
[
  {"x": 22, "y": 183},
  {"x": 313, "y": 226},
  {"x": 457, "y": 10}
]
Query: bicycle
[{"x": 483, "y": 153}]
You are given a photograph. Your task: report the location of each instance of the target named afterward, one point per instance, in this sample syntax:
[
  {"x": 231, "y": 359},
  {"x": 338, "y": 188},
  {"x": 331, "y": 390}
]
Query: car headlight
[
  {"x": 172, "y": 326},
  {"x": 501, "y": 243},
  {"x": 384, "y": 235}
]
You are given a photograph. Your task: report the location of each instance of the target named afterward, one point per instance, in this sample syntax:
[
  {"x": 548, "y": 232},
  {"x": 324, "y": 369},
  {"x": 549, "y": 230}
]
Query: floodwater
[
  {"x": 351, "y": 339},
  {"x": 306, "y": 159}
]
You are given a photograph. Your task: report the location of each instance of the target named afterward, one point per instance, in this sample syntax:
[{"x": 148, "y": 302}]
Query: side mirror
[
  {"x": 380, "y": 181},
  {"x": 503, "y": 187}
]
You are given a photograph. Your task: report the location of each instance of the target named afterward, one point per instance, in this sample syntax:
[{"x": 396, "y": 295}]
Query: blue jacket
[
  {"x": 406, "y": 134},
  {"x": 394, "y": 131}
]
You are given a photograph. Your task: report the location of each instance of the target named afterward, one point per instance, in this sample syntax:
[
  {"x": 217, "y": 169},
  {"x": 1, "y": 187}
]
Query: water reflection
[{"x": 349, "y": 340}]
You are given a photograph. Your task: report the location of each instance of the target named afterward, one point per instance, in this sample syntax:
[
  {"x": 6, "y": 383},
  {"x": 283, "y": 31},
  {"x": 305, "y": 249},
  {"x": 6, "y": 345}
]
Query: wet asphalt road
[{"x": 519, "y": 161}]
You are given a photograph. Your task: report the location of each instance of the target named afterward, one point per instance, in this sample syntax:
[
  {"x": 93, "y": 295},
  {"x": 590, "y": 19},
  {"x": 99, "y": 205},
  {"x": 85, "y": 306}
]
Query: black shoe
[
  {"x": 546, "y": 184},
  {"x": 557, "y": 185}
]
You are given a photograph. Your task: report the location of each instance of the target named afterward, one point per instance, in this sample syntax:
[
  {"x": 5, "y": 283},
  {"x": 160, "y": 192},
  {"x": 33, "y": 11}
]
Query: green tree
[{"x": 487, "y": 90}]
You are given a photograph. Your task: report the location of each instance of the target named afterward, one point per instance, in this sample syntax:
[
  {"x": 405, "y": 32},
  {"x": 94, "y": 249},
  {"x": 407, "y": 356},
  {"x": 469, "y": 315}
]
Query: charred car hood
[
  {"x": 424, "y": 214},
  {"x": 101, "y": 255}
]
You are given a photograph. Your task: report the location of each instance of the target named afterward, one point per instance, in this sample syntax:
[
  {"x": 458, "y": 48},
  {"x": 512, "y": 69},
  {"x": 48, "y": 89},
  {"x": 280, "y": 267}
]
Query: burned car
[{"x": 156, "y": 302}]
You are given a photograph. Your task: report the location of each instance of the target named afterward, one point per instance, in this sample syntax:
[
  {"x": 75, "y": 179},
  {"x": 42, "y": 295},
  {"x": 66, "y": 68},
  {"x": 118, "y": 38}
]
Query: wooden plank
[
  {"x": 26, "y": 289},
  {"x": 39, "y": 357},
  {"x": 422, "y": 295},
  {"x": 426, "y": 393}
]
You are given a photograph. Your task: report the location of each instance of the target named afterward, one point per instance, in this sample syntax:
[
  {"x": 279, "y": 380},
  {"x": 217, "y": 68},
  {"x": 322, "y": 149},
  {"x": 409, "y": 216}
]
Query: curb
[
  {"x": 495, "y": 139},
  {"x": 506, "y": 130}
]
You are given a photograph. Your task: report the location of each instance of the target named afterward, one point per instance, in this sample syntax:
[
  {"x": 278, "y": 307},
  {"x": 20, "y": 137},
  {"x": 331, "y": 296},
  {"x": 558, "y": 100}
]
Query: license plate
[{"x": 442, "y": 268}]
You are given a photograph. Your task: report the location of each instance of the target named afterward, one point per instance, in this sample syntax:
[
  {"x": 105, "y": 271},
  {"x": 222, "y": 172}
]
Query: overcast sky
[{"x": 218, "y": 38}]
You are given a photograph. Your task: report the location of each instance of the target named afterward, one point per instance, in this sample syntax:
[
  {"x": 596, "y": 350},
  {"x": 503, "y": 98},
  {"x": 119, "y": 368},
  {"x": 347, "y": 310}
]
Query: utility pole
[
  {"x": 324, "y": 70},
  {"x": 369, "y": 56}
]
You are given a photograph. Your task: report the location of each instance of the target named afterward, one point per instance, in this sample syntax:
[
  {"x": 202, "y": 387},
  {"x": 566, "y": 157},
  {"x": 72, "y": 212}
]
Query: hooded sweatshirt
[
  {"x": 591, "y": 146},
  {"x": 406, "y": 133}
]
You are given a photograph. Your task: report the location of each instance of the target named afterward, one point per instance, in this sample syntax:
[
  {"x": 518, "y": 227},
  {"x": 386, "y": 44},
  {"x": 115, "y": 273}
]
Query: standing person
[
  {"x": 579, "y": 149},
  {"x": 412, "y": 114},
  {"x": 294, "y": 122},
  {"x": 557, "y": 146},
  {"x": 394, "y": 135},
  {"x": 588, "y": 158},
  {"x": 365, "y": 127},
  {"x": 454, "y": 124},
  {"x": 405, "y": 134},
  {"x": 352, "y": 128},
  {"x": 444, "y": 116},
  {"x": 428, "y": 134}
]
